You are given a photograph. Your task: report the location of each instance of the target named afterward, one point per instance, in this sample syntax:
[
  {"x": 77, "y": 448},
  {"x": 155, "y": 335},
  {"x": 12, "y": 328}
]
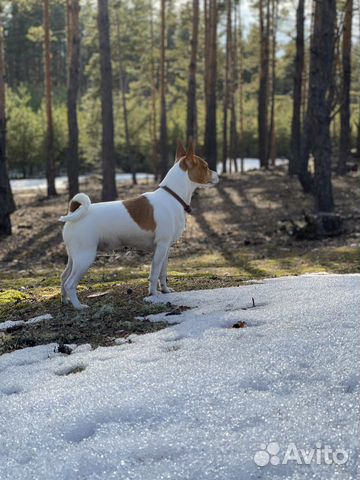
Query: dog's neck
[{"x": 178, "y": 180}]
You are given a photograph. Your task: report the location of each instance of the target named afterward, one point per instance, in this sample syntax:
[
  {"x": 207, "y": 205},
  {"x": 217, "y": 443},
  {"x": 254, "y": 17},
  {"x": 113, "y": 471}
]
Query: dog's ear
[
  {"x": 180, "y": 151},
  {"x": 191, "y": 150}
]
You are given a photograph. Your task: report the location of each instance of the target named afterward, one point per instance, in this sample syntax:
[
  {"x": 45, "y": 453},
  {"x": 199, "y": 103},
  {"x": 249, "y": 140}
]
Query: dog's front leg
[
  {"x": 160, "y": 255},
  {"x": 163, "y": 275}
]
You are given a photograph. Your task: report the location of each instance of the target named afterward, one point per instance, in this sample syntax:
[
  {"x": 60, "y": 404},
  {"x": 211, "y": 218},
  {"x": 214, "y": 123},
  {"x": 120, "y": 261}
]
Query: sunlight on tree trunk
[
  {"x": 73, "y": 11},
  {"x": 345, "y": 129},
  {"x": 210, "y": 114},
  {"x": 295, "y": 142},
  {"x": 107, "y": 116},
  {"x": 191, "y": 123},
  {"x": 7, "y": 204},
  {"x": 50, "y": 160},
  {"x": 163, "y": 119}
]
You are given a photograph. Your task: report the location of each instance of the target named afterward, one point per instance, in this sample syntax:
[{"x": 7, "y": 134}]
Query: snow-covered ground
[
  {"x": 21, "y": 184},
  {"x": 198, "y": 400}
]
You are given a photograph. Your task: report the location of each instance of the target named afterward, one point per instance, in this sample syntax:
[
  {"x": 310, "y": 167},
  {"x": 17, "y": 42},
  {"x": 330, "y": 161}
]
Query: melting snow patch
[
  {"x": 198, "y": 400},
  {"x": 14, "y": 324}
]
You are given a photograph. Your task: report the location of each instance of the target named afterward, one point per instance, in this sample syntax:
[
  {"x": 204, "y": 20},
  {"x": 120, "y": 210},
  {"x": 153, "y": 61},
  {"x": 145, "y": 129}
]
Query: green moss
[{"x": 12, "y": 297}]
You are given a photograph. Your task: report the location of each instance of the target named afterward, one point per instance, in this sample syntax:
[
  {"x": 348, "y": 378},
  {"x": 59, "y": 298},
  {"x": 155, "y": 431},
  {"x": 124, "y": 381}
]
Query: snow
[
  {"x": 10, "y": 324},
  {"x": 198, "y": 400}
]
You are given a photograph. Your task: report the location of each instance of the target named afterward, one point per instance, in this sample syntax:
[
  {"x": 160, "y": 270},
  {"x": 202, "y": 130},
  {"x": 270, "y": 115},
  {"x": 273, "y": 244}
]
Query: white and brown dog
[{"x": 153, "y": 221}]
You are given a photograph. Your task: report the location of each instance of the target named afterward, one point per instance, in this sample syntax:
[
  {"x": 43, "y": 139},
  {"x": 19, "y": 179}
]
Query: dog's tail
[{"x": 78, "y": 207}]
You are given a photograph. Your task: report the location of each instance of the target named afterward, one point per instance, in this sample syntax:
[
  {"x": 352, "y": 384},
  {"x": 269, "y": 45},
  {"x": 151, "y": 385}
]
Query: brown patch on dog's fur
[
  {"x": 197, "y": 168},
  {"x": 73, "y": 205},
  {"x": 142, "y": 212}
]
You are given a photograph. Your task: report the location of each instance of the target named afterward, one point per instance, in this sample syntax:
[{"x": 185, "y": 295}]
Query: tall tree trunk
[
  {"x": 122, "y": 75},
  {"x": 233, "y": 82},
  {"x": 7, "y": 204},
  {"x": 210, "y": 114},
  {"x": 305, "y": 178},
  {"x": 226, "y": 83},
  {"x": 163, "y": 119},
  {"x": 153, "y": 116},
  {"x": 295, "y": 142},
  {"x": 272, "y": 136},
  {"x": 263, "y": 83},
  {"x": 206, "y": 51},
  {"x": 241, "y": 92},
  {"x": 345, "y": 130},
  {"x": 191, "y": 124},
  {"x": 73, "y": 11},
  {"x": 320, "y": 101},
  {"x": 107, "y": 115},
  {"x": 50, "y": 161}
]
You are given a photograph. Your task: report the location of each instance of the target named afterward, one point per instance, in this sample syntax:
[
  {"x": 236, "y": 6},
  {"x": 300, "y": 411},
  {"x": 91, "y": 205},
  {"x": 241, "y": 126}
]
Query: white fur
[{"x": 109, "y": 223}]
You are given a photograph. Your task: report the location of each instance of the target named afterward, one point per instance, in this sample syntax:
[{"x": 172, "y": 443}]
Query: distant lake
[{"x": 61, "y": 182}]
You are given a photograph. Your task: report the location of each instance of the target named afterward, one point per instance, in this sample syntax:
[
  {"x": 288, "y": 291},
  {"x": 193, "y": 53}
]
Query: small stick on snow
[{"x": 253, "y": 302}]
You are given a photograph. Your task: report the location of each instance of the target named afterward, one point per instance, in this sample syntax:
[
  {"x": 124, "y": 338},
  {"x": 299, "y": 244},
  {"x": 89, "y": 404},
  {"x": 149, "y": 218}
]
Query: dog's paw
[
  {"x": 82, "y": 306},
  {"x": 167, "y": 290},
  {"x": 154, "y": 293}
]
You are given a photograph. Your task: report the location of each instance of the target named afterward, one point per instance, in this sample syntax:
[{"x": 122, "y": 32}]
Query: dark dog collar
[{"x": 186, "y": 207}]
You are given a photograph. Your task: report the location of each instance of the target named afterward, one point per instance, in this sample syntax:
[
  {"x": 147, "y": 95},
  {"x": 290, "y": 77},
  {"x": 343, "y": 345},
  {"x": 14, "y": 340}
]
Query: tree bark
[
  {"x": 73, "y": 11},
  {"x": 263, "y": 83},
  {"x": 320, "y": 101},
  {"x": 163, "y": 119},
  {"x": 210, "y": 120},
  {"x": 107, "y": 115},
  {"x": 345, "y": 129},
  {"x": 50, "y": 161},
  {"x": 295, "y": 142},
  {"x": 7, "y": 204},
  {"x": 241, "y": 92},
  {"x": 226, "y": 84},
  {"x": 272, "y": 136},
  {"x": 122, "y": 75},
  {"x": 234, "y": 149},
  {"x": 305, "y": 178},
  {"x": 153, "y": 117},
  {"x": 191, "y": 124}
]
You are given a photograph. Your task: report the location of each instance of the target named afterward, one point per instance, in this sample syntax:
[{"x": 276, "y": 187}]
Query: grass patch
[{"x": 116, "y": 294}]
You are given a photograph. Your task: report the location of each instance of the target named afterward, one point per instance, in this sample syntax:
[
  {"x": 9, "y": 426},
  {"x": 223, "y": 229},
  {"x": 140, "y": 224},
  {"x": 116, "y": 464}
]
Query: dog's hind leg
[
  {"x": 81, "y": 262},
  {"x": 64, "y": 277}
]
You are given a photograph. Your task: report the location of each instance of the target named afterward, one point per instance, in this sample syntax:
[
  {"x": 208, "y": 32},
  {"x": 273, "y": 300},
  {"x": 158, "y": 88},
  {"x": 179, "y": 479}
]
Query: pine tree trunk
[
  {"x": 191, "y": 124},
  {"x": 241, "y": 93},
  {"x": 107, "y": 115},
  {"x": 73, "y": 11},
  {"x": 226, "y": 84},
  {"x": 210, "y": 120},
  {"x": 7, "y": 204},
  {"x": 263, "y": 83},
  {"x": 206, "y": 52},
  {"x": 153, "y": 116},
  {"x": 305, "y": 178},
  {"x": 163, "y": 119},
  {"x": 345, "y": 130},
  {"x": 50, "y": 161},
  {"x": 233, "y": 82},
  {"x": 320, "y": 101},
  {"x": 122, "y": 79},
  {"x": 295, "y": 142},
  {"x": 272, "y": 136}
]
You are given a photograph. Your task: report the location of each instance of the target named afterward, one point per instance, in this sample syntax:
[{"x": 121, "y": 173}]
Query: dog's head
[{"x": 196, "y": 167}]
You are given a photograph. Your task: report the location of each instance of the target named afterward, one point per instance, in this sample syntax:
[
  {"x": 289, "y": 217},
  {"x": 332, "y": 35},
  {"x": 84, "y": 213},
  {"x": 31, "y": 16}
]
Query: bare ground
[{"x": 238, "y": 231}]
